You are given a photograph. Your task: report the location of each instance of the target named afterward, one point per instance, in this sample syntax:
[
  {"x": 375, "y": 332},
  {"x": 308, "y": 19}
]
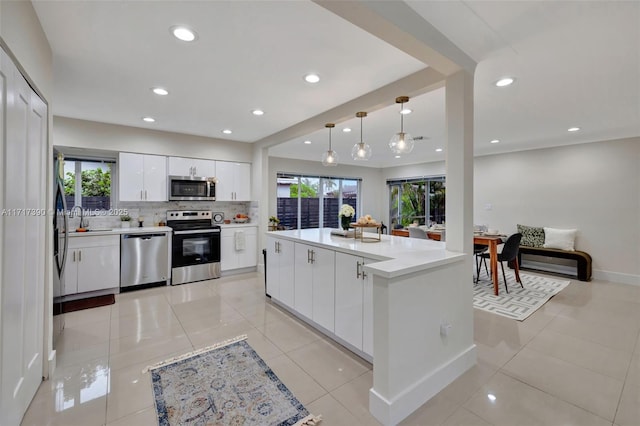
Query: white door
[
  {"x": 286, "y": 272},
  {"x": 228, "y": 257},
  {"x": 225, "y": 186},
  {"x": 179, "y": 166},
  {"x": 349, "y": 293},
  {"x": 272, "y": 269},
  {"x": 367, "y": 313},
  {"x": 98, "y": 267},
  {"x": 324, "y": 287},
  {"x": 303, "y": 279},
  {"x": 23, "y": 242},
  {"x": 130, "y": 176},
  {"x": 155, "y": 178},
  {"x": 242, "y": 175},
  {"x": 204, "y": 168}
]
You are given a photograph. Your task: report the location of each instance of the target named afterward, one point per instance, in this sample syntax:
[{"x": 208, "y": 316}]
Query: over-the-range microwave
[{"x": 192, "y": 188}]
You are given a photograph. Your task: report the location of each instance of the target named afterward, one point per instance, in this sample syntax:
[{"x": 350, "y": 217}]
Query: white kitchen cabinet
[
  {"x": 233, "y": 253},
  {"x": 142, "y": 177},
  {"x": 349, "y": 296},
  {"x": 280, "y": 270},
  {"x": 314, "y": 284},
  {"x": 182, "y": 166},
  {"x": 367, "y": 315},
  {"x": 93, "y": 263},
  {"x": 234, "y": 181}
]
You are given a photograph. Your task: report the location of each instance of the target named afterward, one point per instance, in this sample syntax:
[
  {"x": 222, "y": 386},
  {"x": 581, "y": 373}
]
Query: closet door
[{"x": 23, "y": 171}]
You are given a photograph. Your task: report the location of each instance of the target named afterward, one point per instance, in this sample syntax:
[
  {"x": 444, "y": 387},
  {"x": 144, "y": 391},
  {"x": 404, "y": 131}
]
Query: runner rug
[
  {"x": 224, "y": 384},
  {"x": 520, "y": 302}
]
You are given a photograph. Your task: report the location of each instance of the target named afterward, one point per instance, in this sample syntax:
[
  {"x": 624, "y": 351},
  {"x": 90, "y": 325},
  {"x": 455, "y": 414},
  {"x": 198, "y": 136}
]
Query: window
[
  {"x": 88, "y": 183},
  {"x": 314, "y": 201},
  {"x": 420, "y": 199}
]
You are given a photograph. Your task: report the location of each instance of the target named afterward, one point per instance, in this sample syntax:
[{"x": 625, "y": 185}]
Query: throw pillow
[
  {"x": 531, "y": 236},
  {"x": 562, "y": 239}
]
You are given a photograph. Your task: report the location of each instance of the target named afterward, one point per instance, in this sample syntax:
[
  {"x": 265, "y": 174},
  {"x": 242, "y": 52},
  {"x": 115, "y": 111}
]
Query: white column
[{"x": 459, "y": 162}]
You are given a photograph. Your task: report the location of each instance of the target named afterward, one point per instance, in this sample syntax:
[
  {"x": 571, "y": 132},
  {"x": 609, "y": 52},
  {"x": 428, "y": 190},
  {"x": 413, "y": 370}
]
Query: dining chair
[
  {"x": 478, "y": 249},
  {"x": 509, "y": 254},
  {"x": 415, "y": 232}
]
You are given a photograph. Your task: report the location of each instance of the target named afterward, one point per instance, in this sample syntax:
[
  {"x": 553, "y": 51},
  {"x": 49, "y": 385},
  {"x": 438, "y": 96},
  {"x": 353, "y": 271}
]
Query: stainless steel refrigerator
[{"x": 60, "y": 245}]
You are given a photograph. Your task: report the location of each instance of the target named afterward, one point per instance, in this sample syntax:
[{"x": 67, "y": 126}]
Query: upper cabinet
[
  {"x": 234, "y": 181},
  {"x": 179, "y": 166},
  {"x": 142, "y": 177}
]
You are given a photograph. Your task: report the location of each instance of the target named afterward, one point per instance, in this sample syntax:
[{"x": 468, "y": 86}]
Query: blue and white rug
[
  {"x": 520, "y": 302},
  {"x": 225, "y": 384}
]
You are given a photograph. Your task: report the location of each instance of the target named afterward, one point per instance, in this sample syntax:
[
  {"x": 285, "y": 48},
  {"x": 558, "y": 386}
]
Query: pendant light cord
[{"x": 401, "y": 118}]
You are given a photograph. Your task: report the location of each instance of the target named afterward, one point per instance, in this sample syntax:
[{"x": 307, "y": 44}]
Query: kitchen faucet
[{"x": 72, "y": 214}]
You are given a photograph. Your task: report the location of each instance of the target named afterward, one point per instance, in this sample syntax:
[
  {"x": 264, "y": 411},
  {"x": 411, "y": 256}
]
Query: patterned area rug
[
  {"x": 225, "y": 384},
  {"x": 520, "y": 302}
]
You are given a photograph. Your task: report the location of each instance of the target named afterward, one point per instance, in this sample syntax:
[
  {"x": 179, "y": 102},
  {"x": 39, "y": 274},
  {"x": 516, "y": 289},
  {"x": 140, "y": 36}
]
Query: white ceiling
[{"x": 575, "y": 64}]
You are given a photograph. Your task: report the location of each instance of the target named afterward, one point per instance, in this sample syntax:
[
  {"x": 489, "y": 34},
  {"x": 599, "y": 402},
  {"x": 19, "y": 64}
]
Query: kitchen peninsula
[{"x": 403, "y": 303}]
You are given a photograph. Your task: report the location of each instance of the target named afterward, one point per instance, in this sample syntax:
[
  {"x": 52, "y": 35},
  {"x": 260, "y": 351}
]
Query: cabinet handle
[
  {"x": 308, "y": 256},
  {"x": 79, "y": 255},
  {"x": 74, "y": 256},
  {"x": 357, "y": 269},
  {"x": 313, "y": 256},
  {"x": 141, "y": 195},
  {"x": 195, "y": 171},
  {"x": 145, "y": 194}
]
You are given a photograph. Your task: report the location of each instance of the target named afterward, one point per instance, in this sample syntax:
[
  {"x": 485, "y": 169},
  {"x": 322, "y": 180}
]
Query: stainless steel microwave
[{"x": 192, "y": 188}]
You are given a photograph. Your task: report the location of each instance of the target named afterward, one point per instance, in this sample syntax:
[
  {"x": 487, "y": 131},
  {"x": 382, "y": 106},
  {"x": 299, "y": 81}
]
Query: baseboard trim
[
  {"x": 393, "y": 412},
  {"x": 616, "y": 277}
]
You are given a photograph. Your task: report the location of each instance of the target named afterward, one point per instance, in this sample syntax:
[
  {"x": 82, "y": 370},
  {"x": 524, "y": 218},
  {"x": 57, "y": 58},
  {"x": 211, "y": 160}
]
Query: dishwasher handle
[{"x": 142, "y": 236}]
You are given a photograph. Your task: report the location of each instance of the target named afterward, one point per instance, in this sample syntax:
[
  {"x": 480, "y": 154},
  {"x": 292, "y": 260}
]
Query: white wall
[
  {"x": 70, "y": 132},
  {"x": 372, "y": 182},
  {"x": 594, "y": 187}
]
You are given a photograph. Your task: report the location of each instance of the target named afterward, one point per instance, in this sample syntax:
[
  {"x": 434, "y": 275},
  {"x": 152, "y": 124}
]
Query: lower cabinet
[
  {"x": 93, "y": 263},
  {"x": 314, "y": 290},
  {"x": 354, "y": 302},
  {"x": 238, "y": 248},
  {"x": 280, "y": 270}
]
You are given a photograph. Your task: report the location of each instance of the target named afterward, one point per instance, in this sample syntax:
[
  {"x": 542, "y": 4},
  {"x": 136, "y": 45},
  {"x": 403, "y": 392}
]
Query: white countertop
[
  {"x": 398, "y": 255},
  {"x": 236, "y": 225},
  {"x": 119, "y": 231}
]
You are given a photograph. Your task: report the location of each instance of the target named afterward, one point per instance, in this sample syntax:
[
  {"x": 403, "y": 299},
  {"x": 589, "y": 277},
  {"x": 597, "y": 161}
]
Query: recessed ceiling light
[
  {"x": 406, "y": 111},
  {"x": 506, "y": 81},
  {"x": 397, "y": 156},
  {"x": 438, "y": 149},
  {"x": 307, "y": 142},
  {"x": 573, "y": 129},
  {"x": 495, "y": 141},
  {"x": 346, "y": 129},
  {"x": 312, "y": 78},
  {"x": 227, "y": 131},
  {"x": 183, "y": 33},
  {"x": 160, "y": 91},
  {"x": 257, "y": 112},
  {"x": 149, "y": 119}
]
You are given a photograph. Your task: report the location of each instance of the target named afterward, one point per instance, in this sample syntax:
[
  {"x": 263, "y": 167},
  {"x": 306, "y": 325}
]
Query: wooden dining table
[{"x": 492, "y": 241}]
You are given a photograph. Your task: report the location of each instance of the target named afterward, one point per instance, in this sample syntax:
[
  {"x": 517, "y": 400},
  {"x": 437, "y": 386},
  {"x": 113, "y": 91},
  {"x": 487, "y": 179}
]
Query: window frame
[{"x": 113, "y": 197}]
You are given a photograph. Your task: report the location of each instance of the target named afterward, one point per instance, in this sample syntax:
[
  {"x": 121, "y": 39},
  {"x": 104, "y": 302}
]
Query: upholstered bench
[{"x": 583, "y": 258}]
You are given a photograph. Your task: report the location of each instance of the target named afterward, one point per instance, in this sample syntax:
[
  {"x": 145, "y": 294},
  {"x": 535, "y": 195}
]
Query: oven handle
[{"x": 197, "y": 231}]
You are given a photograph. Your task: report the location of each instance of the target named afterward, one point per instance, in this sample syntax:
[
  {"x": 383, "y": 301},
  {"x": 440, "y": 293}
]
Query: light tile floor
[{"x": 576, "y": 361}]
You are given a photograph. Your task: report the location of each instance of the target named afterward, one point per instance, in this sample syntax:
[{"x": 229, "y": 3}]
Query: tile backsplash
[{"x": 153, "y": 212}]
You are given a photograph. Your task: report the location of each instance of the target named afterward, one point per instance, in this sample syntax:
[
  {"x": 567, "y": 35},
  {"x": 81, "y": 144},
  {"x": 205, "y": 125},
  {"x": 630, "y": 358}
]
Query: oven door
[{"x": 195, "y": 247}]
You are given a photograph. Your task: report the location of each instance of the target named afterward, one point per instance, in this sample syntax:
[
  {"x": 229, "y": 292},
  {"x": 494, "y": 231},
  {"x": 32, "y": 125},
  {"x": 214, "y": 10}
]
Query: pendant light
[
  {"x": 361, "y": 151},
  {"x": 401, "y": 142},
  {"x": 330, "y": 157}
]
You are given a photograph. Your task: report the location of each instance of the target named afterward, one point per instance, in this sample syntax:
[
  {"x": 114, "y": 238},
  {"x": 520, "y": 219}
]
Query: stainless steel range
[{"x": 195, "y": 246}]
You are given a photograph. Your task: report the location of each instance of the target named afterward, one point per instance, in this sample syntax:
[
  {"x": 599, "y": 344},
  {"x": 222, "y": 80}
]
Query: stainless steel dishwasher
[{"x": 144, "y": 259}]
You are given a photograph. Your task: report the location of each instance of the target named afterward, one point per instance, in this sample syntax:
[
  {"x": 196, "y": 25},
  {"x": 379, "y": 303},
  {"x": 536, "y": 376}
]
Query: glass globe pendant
[
  {"x": 401, "y": 142},
  {"x": 361, "y": 151},
  {"x": 330, "y": 157}
]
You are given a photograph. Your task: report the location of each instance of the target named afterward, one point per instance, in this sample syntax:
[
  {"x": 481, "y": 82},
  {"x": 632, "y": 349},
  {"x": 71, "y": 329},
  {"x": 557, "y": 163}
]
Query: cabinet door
[
  {"x": 303, "y": 279},
  {"x": 349, "y": 293},
  {"x": 228, "y": 256},
  {"x": 71, "y": 273},
  {"x": 324, "y": 287},
  {"x": 286, "y": 272},
  {"x": 242, "y": 181},
  {"x": 204, "y": 168},
  {"x": 131, "y": 176},
  {"x": 155, "y": 178},
  {"x": 225, "y": 187},
  {"x": 180, "y": 166},
  {"x": 367, "y": 313},
  {"x": 273, "y": 269},
  {"x": 248, "y": 257},
  {"x": 98, "y": 268}
]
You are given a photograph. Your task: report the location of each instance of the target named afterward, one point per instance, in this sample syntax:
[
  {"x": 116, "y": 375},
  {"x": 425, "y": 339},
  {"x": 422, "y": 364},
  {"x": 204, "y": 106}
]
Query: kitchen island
[{"x": 403, "y": 303}]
